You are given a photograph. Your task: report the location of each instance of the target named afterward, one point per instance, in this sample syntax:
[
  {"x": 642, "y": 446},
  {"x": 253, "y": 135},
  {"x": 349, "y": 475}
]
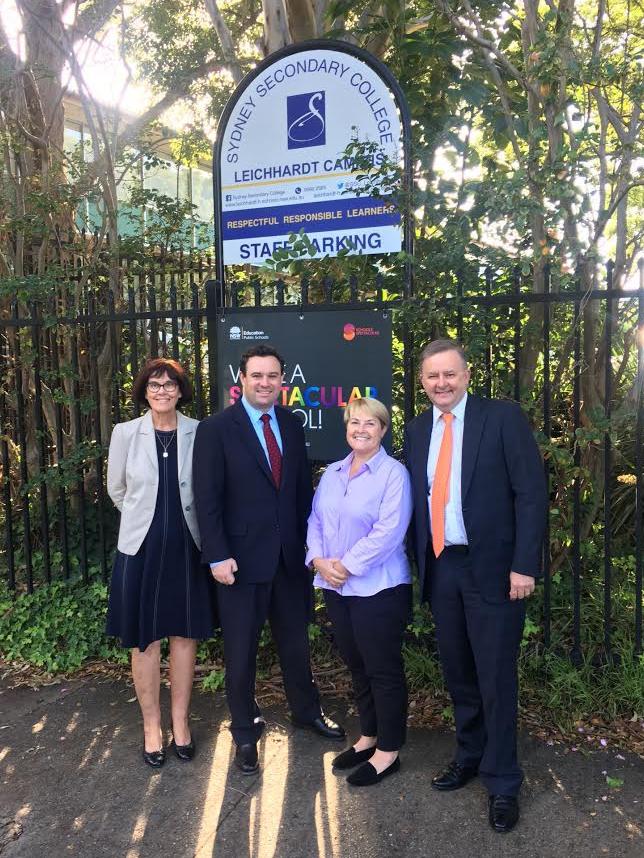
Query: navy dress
[{"x": 163, "y": 589}]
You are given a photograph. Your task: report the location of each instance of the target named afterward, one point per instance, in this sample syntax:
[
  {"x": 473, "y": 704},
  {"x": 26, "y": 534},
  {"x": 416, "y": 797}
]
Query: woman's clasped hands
[{"x": 332, "y": 570}]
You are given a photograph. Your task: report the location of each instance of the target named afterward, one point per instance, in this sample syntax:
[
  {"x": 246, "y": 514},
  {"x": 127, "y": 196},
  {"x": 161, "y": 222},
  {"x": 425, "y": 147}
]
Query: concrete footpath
[{"x": 72, "y": 782}]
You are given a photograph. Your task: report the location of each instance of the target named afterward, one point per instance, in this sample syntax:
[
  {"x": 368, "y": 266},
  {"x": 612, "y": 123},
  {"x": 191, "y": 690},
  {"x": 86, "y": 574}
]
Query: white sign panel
[{"x": 282, "y": 162}]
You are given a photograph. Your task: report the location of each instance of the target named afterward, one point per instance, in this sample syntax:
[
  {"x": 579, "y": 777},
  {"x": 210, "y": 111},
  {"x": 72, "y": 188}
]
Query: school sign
[
  {"x": 280, "y": 160},
  {"x": 332, "y": 357}
]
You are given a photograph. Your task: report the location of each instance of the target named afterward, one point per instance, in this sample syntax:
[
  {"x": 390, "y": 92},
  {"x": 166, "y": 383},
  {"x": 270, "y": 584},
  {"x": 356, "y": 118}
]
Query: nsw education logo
[{"x": 306, "y": 120}]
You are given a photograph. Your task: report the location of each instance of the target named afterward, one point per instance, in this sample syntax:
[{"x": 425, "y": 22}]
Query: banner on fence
[
  {"x": 332, "y": 357},
  {"x": 281, "y": 164}
]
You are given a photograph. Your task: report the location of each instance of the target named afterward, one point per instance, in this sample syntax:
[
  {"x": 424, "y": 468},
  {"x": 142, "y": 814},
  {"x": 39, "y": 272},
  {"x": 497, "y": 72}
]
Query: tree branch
[
  {"x": 225, "y": 40},
  {"x": 474, "y": 34},
  {"x": 605, "y": 217},
  {"x": 93, "y": 18},
  {"x": 133, "y": 130},
  {"x": 613, "y": 116},
  {"x": 599, "y": 24}
]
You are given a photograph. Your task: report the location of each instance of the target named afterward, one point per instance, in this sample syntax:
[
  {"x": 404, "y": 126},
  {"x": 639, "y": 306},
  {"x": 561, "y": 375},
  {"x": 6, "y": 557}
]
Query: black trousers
[
  {"x": 478, "y": 642},
  {"x": 243, "y": 609},
  {"x": 368, "y": 631}
]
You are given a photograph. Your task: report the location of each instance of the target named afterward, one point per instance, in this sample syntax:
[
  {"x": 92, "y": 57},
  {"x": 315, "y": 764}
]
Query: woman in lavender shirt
[{"x": 361, "y": 511}]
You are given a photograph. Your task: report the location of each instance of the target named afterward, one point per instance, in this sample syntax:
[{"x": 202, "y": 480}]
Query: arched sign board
[{"x": 280, "y": 162}]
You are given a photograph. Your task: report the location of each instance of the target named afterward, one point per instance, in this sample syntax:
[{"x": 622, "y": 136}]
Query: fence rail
[{"x": 67, "y": 364}]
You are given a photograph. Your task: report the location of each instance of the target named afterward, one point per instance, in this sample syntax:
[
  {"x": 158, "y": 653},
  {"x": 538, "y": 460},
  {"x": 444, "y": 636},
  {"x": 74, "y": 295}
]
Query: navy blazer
[
  {"x": 503, "y": 492},
  {"x": 240, "y": 511}
]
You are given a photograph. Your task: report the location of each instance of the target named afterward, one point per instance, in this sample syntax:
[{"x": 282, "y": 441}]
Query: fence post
[
  {"x": 212, "y": 320},
  {"x": 608, "y": 462},
  {"x": 639, "y": 464}
]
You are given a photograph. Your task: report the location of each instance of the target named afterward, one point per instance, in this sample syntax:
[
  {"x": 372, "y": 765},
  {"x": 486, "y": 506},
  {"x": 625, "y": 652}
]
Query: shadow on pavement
[{"x": 72, "y": 782}]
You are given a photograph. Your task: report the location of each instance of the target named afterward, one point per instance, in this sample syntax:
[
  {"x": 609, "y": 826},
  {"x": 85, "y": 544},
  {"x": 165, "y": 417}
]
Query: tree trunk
[{"x": 276, "y": 34}]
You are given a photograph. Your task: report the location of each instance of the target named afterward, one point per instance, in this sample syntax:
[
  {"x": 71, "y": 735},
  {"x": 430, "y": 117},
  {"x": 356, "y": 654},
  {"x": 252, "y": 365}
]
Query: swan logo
[{"x": 306, "y": 120}]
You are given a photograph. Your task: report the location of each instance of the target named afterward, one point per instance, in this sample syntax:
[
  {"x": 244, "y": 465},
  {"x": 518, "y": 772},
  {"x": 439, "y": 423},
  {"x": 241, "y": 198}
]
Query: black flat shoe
[
  {"x": 154, "y": 758},
  {"x": 185, "y": 752},
  {"x": 350, "y": 758},
  {"x": 246, "y": 758},
  {"x": 323, "y": 726},
  {"x": 503, "y": 812},
  {"x": 454, "y": 776},
  {"x": 366, "y": 775}
]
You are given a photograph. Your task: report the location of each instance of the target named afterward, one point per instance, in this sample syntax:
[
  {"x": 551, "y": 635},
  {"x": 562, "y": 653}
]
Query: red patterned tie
[{"x": 274, "y": 454}]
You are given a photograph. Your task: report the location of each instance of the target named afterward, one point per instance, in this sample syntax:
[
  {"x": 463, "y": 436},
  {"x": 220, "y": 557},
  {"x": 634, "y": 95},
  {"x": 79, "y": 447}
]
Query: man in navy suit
[
  {"x": 477, "y": 533},
  {"x": 252, "y": 487}
]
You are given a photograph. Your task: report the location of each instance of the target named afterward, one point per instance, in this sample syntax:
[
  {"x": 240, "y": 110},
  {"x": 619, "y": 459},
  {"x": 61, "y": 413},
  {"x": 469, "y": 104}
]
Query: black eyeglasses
[{"x": 168, "y": 386}]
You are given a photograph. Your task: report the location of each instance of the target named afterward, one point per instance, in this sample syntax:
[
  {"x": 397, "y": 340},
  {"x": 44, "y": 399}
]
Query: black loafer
[
  {"x": 350, "y": 758},
  {"x": 503, "y": 812},
  {"x": 323, "y": 726},
  {"x": 454, "y": 776},
  {"x": 154, "y": 758},
  {"x": 185, "y": 752},
  {"x": 366, "y": 775},
  {"x": 246, "y": 758}
]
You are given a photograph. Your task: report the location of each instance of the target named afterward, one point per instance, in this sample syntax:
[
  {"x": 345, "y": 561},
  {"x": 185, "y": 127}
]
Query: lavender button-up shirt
[{"x": 363, "y": 521}]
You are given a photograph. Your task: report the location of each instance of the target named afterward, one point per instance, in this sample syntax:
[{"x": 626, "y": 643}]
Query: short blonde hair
[{"x": 372, "y": 406}]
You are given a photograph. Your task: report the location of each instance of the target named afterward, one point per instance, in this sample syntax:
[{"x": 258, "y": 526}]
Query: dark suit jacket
[
  {"x": 503, "y": 493},
  {"x": 240, "y": 512}
]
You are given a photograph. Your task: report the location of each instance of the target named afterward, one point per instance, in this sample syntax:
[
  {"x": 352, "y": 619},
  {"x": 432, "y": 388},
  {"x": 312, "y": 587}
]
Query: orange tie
[{"x": 440, "y": 486}]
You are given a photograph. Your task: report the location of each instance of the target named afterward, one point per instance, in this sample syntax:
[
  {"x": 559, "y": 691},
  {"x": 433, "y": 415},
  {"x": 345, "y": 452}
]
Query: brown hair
[
  {"x": 260, "y": 351},
  {"x": 438, "y": 346},
  {"x": 155, "y": 367}
]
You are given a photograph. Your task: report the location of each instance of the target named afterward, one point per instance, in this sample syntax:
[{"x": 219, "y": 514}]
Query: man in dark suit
[
  {"x": 479, "y": 518},
  {"x": 252, "y": 487}
]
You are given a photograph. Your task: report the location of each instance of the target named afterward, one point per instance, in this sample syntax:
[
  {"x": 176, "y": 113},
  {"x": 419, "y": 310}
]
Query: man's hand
[
  {"x": 521, "y": 586},
  {"x": 327, "y": 568},
  {"x": 224, "y": 572}
]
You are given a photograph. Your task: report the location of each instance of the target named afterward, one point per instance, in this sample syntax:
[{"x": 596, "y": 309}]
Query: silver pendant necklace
[{"x": 165, "y": 446}]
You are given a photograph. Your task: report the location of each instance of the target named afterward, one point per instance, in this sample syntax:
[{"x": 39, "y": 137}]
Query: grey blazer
[{"x": 133, "y": 477}]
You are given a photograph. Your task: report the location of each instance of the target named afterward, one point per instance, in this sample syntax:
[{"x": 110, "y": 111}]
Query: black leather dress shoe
[
  {"x": 350, "y": 758},
  {"x": 246, "y": 758},
  {"x": 185, "y": 752},
  {"x": 503, "y": 812},
  {"x": 323, "y": 726},
  {"x": 454, "y": 776},
  {"x": 366, "y": 775},
  {"x": 154, "y": 758}
]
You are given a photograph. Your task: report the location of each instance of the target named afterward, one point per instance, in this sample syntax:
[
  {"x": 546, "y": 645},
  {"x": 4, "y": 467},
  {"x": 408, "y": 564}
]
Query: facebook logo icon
[{"x": 306, "y": 120}]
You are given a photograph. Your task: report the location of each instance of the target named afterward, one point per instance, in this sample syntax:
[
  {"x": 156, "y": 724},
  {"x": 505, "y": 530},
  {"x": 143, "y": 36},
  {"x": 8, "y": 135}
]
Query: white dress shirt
[{"x": 454, "y": 525}]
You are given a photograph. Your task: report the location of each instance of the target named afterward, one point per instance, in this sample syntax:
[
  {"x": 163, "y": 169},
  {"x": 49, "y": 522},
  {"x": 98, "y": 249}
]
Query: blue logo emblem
[{"x": 306, "y": 120}]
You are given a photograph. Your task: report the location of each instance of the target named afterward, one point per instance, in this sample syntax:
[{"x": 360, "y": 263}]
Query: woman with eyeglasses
[{"x": 159, "y": 588}]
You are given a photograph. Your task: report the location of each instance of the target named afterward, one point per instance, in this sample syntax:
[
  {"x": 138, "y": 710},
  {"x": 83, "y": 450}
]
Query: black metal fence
[{"x": 575, "y": 360}]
